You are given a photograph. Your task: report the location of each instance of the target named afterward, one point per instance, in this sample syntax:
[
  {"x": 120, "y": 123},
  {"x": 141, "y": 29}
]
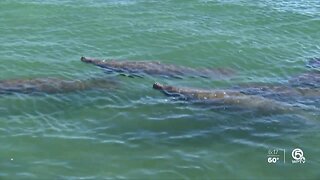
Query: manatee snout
[
  {"x": 157, "y": 85},
  {"x": 87, "y": 60}
]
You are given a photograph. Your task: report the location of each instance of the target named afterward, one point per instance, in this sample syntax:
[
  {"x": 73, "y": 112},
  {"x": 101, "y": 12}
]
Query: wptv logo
[
  {"x": 276, "y": 156},
  {"x": 297, "y": 155}
]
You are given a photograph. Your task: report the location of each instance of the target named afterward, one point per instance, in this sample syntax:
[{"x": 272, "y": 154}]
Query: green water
[{"x": 133, "y": 131}]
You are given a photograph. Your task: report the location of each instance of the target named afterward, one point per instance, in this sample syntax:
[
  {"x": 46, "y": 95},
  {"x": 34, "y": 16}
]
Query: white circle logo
[{"x": 297, "y": 154}]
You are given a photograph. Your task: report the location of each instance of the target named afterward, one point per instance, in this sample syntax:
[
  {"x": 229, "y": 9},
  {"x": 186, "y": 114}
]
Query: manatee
[
  {"x": 52, "y": 85},
  {"x": 309, "y": 79},
  {"x": 279, "y": 91},
  {"x": 230, "y": 98},
  {"x": 305, "y": 85},
  {"x": 313, "y": 63},
  {"x": 138, "y": 68}
]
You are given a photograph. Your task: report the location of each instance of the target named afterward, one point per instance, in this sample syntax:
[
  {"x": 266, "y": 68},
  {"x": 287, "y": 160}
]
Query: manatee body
[
  {"x": 314, "y": 63},
  {"x": 309, "y": 79},
  {"x": 50, "y": 85},
  {"x": 279, "y": 91},
  {"x": 305, "y": 85},
  {"x": 157, "y": 68},
  {"x": 227, "y": 98}
]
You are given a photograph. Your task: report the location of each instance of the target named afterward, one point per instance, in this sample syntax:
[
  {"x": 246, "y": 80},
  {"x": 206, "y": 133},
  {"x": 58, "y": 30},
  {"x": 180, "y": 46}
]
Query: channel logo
[{"x": 297, "y": 155}]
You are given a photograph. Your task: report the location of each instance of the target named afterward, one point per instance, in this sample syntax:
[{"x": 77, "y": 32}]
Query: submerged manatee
[
  {"x": 305, "y": 85},
  {"x": 310, "y": 78},
  {"x": 279, "y": 91},
  {"x": 230, "y": 98},
  {"x": 157, "y": 68},
  {"x": 52, "y": 85},
  {"x": 314, "y": 63}
]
